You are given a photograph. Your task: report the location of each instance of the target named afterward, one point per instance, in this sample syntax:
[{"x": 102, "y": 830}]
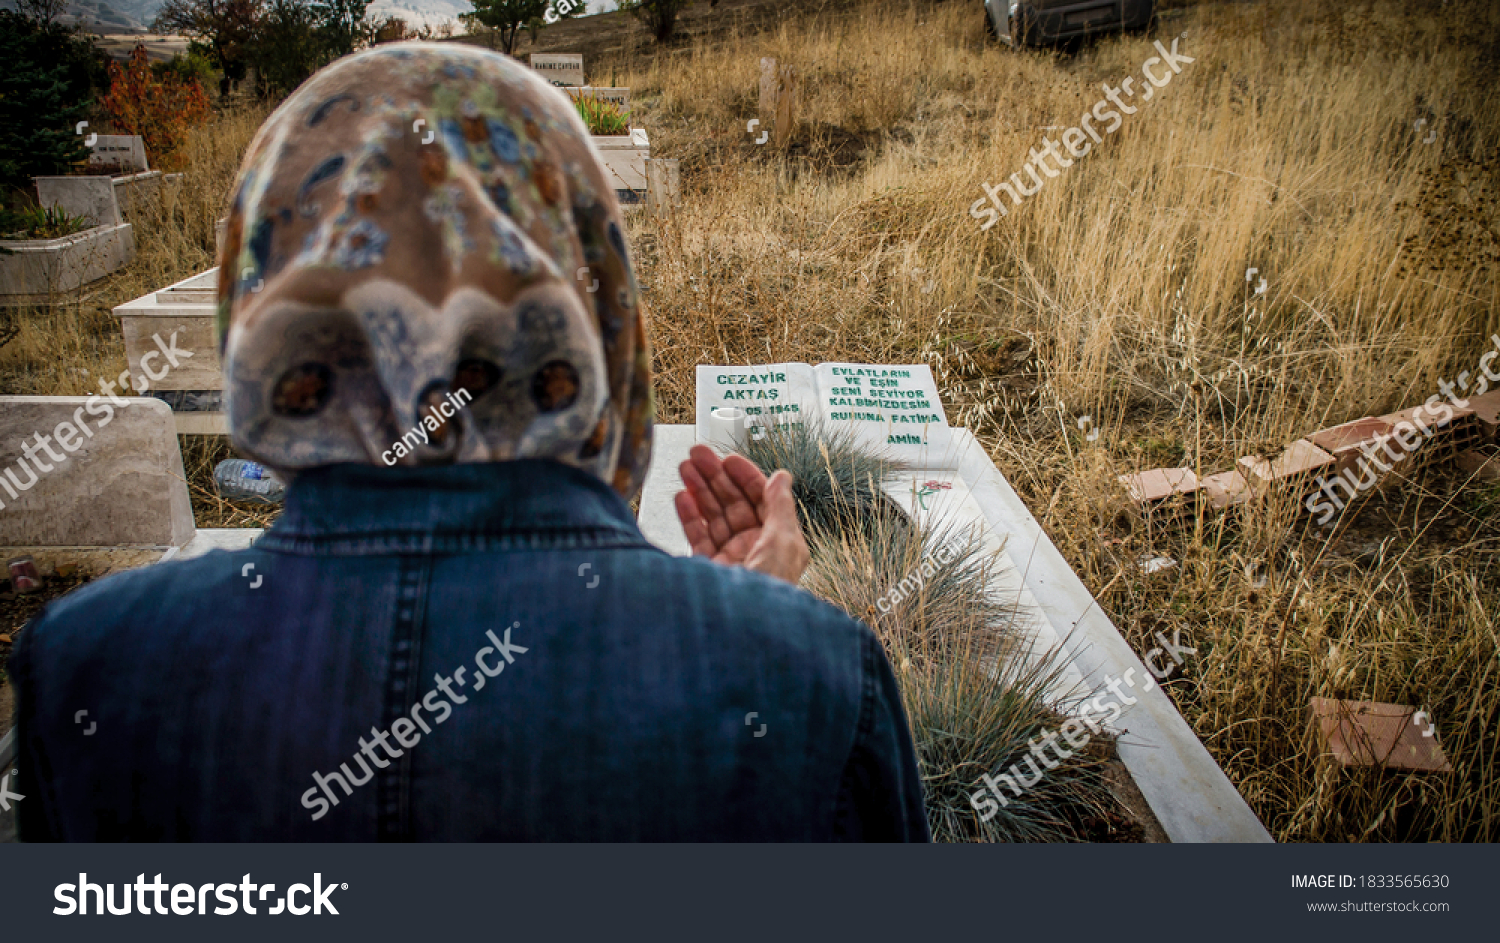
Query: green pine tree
[{"x": 43, "y": 96}]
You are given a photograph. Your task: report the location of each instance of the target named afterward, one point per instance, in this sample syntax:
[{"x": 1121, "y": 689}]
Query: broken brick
[
  {"x": 1296, "y": 464},
  {"x": 1479, "y": 465},
  {"x": 1345, "y": 442},
  {"x": 1486, "y": 411},
  {"x": 1438, "y": 442},
  {"x": 1159, "y": 484},
  {"x": 1369, "y": 733},
  {"x": 1226, "y": 489}
]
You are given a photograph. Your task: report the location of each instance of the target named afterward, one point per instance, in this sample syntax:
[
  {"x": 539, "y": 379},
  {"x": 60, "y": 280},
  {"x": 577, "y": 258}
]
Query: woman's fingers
[
  {"x": 703, "y": 497},
  {"x": 780, "y": 549},
  {"x": 694, "y": 527},
  {"x": 738, "y": 509},
  {"x": 747, "y": 477},
  {"x": 733, "y": 514}
]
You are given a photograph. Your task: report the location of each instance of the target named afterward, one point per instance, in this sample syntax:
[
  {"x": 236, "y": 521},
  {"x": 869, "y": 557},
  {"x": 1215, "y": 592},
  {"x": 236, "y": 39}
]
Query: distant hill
[{"x": 125, "y": 16}]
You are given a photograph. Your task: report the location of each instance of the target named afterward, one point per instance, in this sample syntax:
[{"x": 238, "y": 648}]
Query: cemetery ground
[{"x": 1109, "y": 324}]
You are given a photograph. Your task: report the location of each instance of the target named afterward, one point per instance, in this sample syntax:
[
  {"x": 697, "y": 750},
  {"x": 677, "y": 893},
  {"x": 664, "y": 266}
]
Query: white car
[{"x": 1040, "y": 22}]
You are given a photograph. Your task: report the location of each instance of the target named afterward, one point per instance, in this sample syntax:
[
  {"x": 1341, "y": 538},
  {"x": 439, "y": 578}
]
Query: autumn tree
[{"x": 161, "y": 109}]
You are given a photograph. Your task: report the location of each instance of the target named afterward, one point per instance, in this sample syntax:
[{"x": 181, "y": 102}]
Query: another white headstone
[
  {"x": 560, "y": 69},
  {"x": 125, "y": 151},
  {"x": 84, "y": 471}
]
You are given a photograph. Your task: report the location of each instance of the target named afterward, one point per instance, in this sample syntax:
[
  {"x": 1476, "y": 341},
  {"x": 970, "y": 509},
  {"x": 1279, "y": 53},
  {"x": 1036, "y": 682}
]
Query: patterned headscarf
[{"x": 424, "y": 264}]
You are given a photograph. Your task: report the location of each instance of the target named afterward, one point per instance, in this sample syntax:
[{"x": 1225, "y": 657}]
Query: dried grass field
[{"x": 1346, "y": 151}]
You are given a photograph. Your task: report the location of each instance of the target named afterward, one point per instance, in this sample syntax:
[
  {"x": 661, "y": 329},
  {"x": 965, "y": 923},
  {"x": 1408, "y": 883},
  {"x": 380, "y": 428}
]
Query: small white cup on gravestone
[{"x": 726, "y": 428}]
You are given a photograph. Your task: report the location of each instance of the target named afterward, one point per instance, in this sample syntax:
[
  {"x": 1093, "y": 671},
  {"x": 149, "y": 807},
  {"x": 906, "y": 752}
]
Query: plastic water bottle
[{"x": 241, "y": 480}]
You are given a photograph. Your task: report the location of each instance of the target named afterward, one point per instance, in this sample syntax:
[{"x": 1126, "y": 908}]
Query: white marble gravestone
[
  {"x": 92, "y": 198},
  {"x": 565, "y": 69},
  {"x": 84, "y": 471},
  {"x": 891, "y": 410},
  {"x": 127, "y": 151}
]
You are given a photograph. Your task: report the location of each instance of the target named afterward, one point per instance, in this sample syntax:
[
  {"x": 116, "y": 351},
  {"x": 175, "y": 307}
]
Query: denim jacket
[{"x": 471, "y": 652}]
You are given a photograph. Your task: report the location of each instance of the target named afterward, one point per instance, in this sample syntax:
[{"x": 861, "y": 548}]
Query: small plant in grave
[
  {"x": 602, "y": 117},
  {"x": 977, "y": 696},
  {"x": 39, "y": 222}
]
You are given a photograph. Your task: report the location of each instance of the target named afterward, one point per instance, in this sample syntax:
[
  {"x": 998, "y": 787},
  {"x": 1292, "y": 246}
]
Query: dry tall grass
[{"x": 1290, "y": 145}]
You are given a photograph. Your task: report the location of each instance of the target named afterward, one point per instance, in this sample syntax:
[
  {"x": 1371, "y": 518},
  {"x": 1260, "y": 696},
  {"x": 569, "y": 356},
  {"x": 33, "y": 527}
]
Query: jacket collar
[{"x": 526, "y": 502}]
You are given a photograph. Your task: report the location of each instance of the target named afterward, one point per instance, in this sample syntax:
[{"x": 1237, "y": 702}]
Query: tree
[
  {"x": 660, "y": 16},
  {"x": 226, "y": 27},
  {"x": 342, "y": 24},
  {"x": 506, "y": 17},
  {"x": 42, "y": 12},
  {"x": 160, "y": 110},
  {"x": 46, "y": 88},
  {"x": 286, "y": 48},
  {"x": 392, "y": 29}
]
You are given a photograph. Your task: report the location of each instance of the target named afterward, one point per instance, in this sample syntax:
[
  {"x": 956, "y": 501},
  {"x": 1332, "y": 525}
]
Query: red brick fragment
[
  {"x": 1226, "y": 489},
  {"x": 1159, "y": 484},
  {"x": 1296, "y": 464},
  {"x": 1369, "y": 733},
  {"x": 1479, "y": 465}
]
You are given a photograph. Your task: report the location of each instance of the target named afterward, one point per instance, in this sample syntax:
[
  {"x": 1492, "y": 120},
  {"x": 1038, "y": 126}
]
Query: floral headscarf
[{"x": 424, "y": 263}]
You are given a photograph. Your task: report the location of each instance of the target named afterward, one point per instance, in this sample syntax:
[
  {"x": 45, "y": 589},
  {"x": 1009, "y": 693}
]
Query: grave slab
[
  {"x": 93, "y": 198},
  {"x": 187, "y": 309},
  {"x": 36, "y": 270},
  {"x": 1185, "y": 788},
  {"x": 624, "y": 157},
  {"x": 108, "y": 475}
]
